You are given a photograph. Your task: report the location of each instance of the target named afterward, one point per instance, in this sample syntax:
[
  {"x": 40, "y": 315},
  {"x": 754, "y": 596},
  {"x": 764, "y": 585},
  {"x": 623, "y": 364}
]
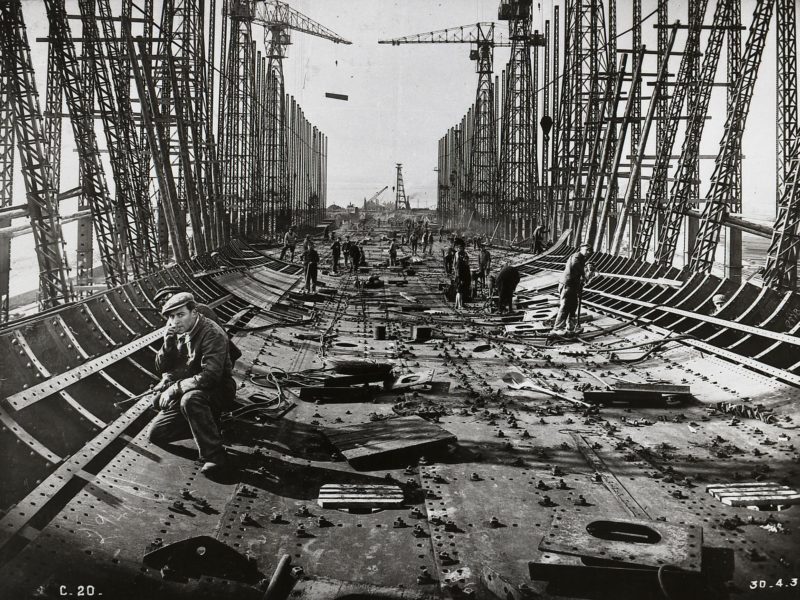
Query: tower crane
[
  {"x": 481, "y": 175},
  {"x": 278, "y": 18},
  {"x": 400, "y": 200}
]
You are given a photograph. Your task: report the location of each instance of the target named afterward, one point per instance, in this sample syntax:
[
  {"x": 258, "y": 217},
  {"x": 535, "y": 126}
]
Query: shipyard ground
[{"x": 505, "y": 492}]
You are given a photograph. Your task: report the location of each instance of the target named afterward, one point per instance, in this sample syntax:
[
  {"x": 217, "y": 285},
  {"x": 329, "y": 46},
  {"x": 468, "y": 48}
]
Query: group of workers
[{"x": 197, "y": 356}]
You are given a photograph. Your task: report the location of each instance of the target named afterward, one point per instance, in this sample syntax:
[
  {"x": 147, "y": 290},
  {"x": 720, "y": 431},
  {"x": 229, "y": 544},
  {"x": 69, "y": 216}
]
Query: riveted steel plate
[{"x": 651, "y": 543}]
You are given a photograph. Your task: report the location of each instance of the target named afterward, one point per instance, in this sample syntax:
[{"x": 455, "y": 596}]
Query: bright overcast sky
[{"x": 404, "y": 98}]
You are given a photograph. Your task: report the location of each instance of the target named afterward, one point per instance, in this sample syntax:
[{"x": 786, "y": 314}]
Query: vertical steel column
[
  {"x": 547, "y": 122},
  {"x": 17, "y": 67},
  {"x": 159, "y": 145},
  {"x": 558, "y": 130},
  {"x": 733, "y": 237},
  {"x": 95, "y": 188},
  {"x": 517, "y": 175},
  {"x": 656, "y": 198},
  {"x": 786, "y": 124},
  {"x": 6, "y": 188},
  {"x": 610, "y": 200},
  {"x": 692, "y": 226},
  {"x": 636, "y": 113},
  {"x": 722, "y": 195},
  {"x": 636, "y": 161},
  {"x": 685, "y": 176}
]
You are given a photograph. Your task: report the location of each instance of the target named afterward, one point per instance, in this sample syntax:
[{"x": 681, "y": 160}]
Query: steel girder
[
  {"x": 726, "y": 169},
  {"x": 483, "y": 152},
  {"x": 95, "y": 187},
  {"x": 138, "y": 203},
  {"x": 656, "y": 198},
  {"x": 785, "y": 89},
  {"x": 54, "y": 285},
  {"x": 681, "y": 193},
  {"x": 517, "y": 173},
  {"x": 780, "y": 268},
  {"x": 116, "y": 141},
  {"x": 6, "y": 188}
]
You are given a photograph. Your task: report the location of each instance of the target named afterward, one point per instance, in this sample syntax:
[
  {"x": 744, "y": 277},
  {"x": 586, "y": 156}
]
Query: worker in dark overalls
[
  {"x": 506, "y": 283},
  {"x": 576, "y": 272},
  {"x": 336, "y": 252}
]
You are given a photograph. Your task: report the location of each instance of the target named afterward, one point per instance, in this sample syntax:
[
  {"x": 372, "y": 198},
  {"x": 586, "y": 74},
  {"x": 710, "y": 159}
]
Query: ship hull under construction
[{"x": 652, "y": 451}]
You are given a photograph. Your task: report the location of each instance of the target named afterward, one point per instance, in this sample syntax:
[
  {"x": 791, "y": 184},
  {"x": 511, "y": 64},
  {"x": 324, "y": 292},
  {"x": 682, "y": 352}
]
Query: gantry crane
[
  {"x": 481, "y": 175},
  {"x": 278, "y": 18},
  {"x": 400, "y": 200}
]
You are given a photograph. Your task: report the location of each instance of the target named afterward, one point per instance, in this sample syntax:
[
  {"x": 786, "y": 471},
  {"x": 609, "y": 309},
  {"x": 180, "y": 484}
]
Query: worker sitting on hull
[
  {"x": 577, "y": 271},
  {"x": 197, "y": 382}
]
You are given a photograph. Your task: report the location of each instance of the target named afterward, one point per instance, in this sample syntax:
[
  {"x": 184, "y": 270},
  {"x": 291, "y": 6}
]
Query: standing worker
[
  {"x": 392, "y": 253},
  {"x": 336, "y": 252},
  {"x": 484, "y": 264},
  {"x": 577, "y": 271},
  {"x": 310, "y": 260},
  {"x": 463, "y": 275},
  {"x": 289, "y": 242},
  {"x": 196, "y": 384},
  {"x": 355, "y": 257},
  {"x": 346, "y": 251},
  {"x": 414, "y": 241}
]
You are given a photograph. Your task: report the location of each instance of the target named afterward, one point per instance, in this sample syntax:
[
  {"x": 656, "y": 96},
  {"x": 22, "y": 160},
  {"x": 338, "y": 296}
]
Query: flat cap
[{"x": 176, "y": 301}]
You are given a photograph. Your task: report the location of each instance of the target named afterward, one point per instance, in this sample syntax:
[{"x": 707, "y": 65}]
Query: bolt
[
  {"x": 450, "y": 526},
  {"x": 546, "y": 501},
  {"x": 416, "y": 513},
  {"x": 399, "y": 523},
  {"x": 303, "y": 511},
  {"x": 419, "y": 531},
  {"x": 323, "y": 522},
  {"x": 276, "y": 518},
  {"x": 494, "y": 522},
  {"x": 581, "y": 501},
  {"x": 475, "y": 477},
  {"x": 562, "y": 485},
  {"x": 424, "y": 576}
]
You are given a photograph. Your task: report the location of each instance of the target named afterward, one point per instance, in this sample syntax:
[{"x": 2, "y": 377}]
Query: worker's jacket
[
  {"x": 574, "y": 272},
  {"x": 484, "y": 261},
  {"x": 290, "y": 239},
  {"x": 310, "y": 257},
  {"x": 199, "y": 360}
]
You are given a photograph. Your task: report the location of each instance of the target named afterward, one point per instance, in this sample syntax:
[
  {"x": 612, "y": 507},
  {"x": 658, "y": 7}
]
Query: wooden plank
[
  {"x": 754, "y": 494},
  {"x": 357, "y": 496},
  {"x": 395, "y": 438}
]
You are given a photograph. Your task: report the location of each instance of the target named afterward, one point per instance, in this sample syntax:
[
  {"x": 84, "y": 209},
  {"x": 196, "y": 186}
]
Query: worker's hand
[
  {"x": 170, "y": 397},
  {"x": 170, "y": 335}
]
